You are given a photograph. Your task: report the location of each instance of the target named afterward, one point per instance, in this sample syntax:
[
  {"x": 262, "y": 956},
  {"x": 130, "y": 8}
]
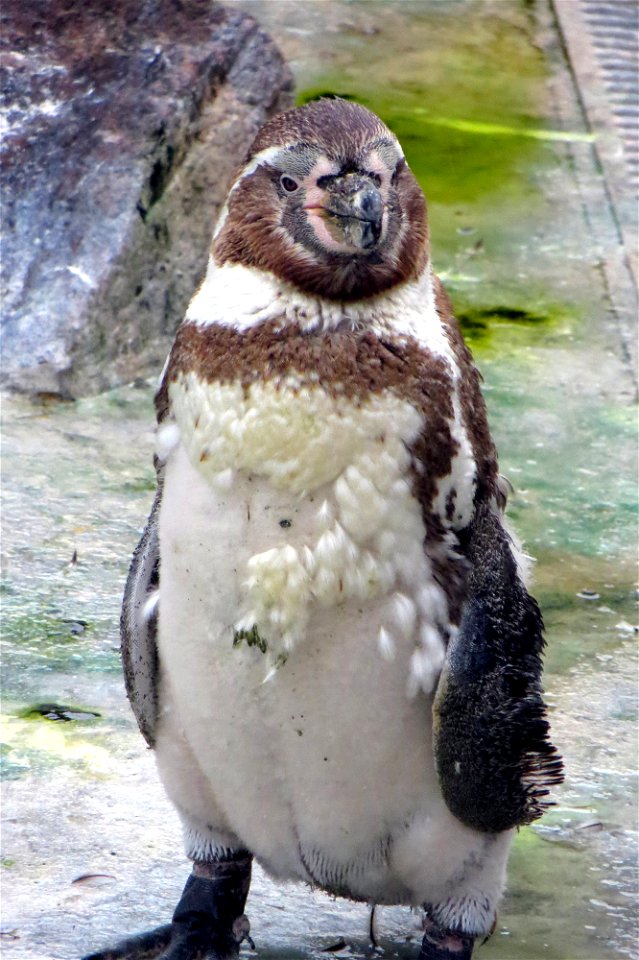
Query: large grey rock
[{"x": 125, "y": 123}]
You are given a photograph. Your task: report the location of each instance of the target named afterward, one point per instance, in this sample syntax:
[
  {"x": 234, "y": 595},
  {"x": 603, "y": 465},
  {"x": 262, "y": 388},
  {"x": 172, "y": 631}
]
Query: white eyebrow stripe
[
  {"x": 261, "y": 158},
  {"x": 393, "y": 143},
  {"x": 388, "y": 154}
]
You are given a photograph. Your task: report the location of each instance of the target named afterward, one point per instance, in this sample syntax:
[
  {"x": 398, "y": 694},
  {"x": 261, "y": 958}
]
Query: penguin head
[{"x": 326, "y": 202}]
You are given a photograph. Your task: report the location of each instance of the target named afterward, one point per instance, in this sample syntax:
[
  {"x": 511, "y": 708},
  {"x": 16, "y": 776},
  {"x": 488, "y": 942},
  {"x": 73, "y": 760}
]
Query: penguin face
[{"x": 326, "y": 202}]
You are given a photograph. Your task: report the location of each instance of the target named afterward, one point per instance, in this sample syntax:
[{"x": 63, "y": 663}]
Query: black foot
[
  {"x": 208, "y": 923},
  {"x": 441, "y": 944},
  {"x": 144, "y": 946}
]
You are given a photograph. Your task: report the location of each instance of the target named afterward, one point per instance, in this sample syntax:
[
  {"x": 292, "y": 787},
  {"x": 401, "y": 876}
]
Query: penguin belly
[{"x": 310, "y": 749}]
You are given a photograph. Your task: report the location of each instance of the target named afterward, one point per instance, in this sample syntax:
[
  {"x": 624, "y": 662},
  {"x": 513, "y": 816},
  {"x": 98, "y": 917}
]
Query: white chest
[
  {"x": 326, "y": 771},
  {"x": 329, "y": 516}
]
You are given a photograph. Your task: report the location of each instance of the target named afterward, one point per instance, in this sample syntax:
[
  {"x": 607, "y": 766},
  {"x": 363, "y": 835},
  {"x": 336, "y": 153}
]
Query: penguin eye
[{"x": 289, "y": 184}]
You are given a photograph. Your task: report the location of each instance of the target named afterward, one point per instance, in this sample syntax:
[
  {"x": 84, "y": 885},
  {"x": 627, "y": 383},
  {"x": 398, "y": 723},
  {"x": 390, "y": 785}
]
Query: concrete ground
[{"x": 91, "y": 847}]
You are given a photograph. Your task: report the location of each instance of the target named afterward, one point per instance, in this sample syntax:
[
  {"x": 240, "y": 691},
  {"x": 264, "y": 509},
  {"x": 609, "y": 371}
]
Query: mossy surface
[
  {"x": 33, "y": 746},
  {"x": 470, "y": 110},
  {"x": 74, "y": 504}
]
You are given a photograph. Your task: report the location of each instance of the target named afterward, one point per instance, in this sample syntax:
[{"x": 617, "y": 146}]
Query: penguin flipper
[
  {"x": 138, "y": 625},
  {"x": 493, "y": 755}
]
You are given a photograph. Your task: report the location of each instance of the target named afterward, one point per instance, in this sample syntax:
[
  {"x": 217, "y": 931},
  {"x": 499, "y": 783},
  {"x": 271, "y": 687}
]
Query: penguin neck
[{"x": 242, "y": 297}]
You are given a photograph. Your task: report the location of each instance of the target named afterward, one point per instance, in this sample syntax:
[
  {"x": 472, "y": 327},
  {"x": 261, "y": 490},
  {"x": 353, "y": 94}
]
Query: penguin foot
[
  {"x": 208, "y": 923},
  {"x": 442, "y": 944},
  {"x": 144, "y": 946}
]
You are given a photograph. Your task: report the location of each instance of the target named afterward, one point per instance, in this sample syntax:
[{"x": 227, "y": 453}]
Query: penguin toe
[
  {"x": 442, "y": 944},
  {"x": 200, "y": 948},
  {"x": 143, "y": 946},
  {"x": 171, "y": 942}
]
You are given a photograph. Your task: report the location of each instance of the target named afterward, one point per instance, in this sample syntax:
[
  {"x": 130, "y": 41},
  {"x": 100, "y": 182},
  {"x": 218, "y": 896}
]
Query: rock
[{"x": 125, "y": 124}]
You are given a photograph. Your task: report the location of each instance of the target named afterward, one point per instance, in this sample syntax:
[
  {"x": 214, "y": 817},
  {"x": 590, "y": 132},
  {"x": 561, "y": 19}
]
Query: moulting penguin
[{"x": 327, "y": 636}]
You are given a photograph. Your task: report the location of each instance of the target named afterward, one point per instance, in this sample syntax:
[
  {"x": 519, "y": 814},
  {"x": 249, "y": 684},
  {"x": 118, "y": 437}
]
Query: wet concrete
[{"x": 91, "y": 848}]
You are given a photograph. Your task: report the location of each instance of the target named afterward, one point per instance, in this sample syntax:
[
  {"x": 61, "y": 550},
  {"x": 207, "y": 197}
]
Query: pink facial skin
[{"x": 329, "y": 235}]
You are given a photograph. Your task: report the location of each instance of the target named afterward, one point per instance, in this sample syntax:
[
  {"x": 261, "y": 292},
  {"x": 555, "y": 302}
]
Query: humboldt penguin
[{"x": 327, "y": 636}]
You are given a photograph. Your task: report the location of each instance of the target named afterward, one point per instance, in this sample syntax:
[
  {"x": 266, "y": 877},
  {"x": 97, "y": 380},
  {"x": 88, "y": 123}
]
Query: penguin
[{"x": 327, "y": 635}]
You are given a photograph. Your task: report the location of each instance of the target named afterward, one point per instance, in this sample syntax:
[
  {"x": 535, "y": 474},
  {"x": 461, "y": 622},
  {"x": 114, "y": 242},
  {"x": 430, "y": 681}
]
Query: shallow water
[{"x": 90, "y": 846}]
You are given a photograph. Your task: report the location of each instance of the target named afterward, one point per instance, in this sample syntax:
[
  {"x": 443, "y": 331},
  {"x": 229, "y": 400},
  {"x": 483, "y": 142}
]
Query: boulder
[{"x": 125, "y": 123}]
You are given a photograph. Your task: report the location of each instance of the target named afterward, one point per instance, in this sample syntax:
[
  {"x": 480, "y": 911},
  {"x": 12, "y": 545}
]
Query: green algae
[
  {"x": 251, "y": 637},
  {"x": 57, "y": 713},
  {"x": 74, "y": 501},
  {"x": 28, "y": 749},
  {"x": 51, "y": 643},
  {"x": 475, "y": 136},
  {"x": 33, "y": 748},
  {"x": 500, "y": 130},
  {"x": 572, "y": 496},
  {"x": 530, "y": 903},
  {"x": 479, "y": 324}
]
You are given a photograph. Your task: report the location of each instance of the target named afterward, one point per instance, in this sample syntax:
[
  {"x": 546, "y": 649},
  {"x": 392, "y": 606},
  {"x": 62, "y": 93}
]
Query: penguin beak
[{"x": 353, "y": 211}]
